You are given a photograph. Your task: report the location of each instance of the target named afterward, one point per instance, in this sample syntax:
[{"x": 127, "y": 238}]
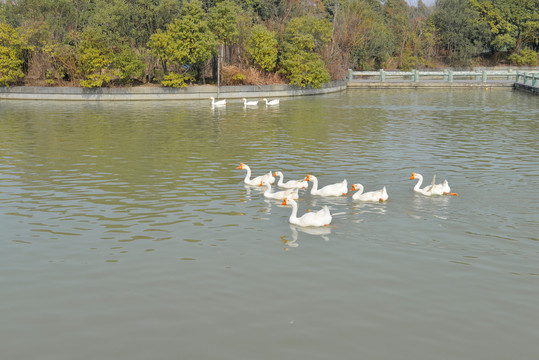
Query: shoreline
[
  {"x": 204, "y": 92},
  {"x": 198, "y": 92}
]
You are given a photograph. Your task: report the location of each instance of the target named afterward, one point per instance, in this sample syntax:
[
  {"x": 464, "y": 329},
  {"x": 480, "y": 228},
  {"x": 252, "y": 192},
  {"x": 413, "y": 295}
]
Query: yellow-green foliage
[
  {"x": 177, "y": 80},
  {"x": 301, "y": 64},
  {"x": 262, "y": 47},
  {"x": 304, "y": 69},
  {"x": 94, "y": 64},
  {"x": 524, "y": 57},
  {"x": 239, "y": 77},
  {"x": 187, "y": 40},
  {"x": 12, "y": 45}
]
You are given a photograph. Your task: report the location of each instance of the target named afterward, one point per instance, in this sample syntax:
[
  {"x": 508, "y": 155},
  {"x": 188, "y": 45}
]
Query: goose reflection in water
[
  {"x": 257, "y": 190},
  {"x": 366, "y": 207},
  {"x": 437, "y": 206},
  {"x": 323, "y": 232}
]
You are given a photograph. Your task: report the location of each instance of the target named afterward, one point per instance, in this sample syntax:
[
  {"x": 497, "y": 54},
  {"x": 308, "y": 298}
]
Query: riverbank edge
[
  {"x": 527, "y": 88},
  {"x": 198, "y": 92},
  {"x": 204, "y": 92},
  {"x": 394, "y": 84}
]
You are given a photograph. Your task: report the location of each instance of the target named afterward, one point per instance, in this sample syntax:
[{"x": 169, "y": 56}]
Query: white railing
[{"x": 445, "y": 75}]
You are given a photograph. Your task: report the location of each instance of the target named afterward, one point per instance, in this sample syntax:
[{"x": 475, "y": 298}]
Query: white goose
[
  {"x": 249, "y": 103},
  {"x": 433, "y": 189},
  {"x": 321, "y": 217},
  {"x": 257, "y": 180},
  {"x": 378, "y": 195},
  {"x": 290, "y": 184},
  {"x": 272, "y": 102},
  {"x": 336, "y": 189},
  {"x": 217, "y": 103},
  {"x": 279, "y": 195}
]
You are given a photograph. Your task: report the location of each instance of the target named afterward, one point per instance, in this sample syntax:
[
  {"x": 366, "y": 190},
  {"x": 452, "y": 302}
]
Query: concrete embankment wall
[
  {"x": 394, "y": 84},
  {"x": 201, "y": 92},
  {"x": 528, "y": 88}
]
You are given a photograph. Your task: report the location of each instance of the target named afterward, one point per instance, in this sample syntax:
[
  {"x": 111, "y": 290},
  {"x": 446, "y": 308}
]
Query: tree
[
  {"x": 262, "y": 47},
  {"x": 304, "y": 68},
  {"x": 187, "y": 42},
  {"x": 133, "y": 20},
  {"x": 361, "y": 34},
  {"x": 511, "y": 22},
  {"x": 301, "y": 63},
  {"x": 94, "y": 59},
  {"x": 461, "y": 32},
  {"x": 13, "y": 45},
  {"x": 222, "y": 21},
  {"x": 60, "y": 16}
]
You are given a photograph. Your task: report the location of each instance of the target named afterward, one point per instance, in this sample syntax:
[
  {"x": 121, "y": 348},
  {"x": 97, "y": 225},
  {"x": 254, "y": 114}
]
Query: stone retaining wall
[
  {"x": 528, "y": 88},
  {"x": 200, "y": 92}
]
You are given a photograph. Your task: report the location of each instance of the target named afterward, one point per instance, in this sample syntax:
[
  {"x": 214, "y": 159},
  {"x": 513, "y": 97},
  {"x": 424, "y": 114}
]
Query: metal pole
[{"x": 218, "y": 71}]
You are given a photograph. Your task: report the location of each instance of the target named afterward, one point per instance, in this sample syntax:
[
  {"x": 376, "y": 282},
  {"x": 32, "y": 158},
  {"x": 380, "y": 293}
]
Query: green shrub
[
  {"x": 262, "y": 47},
  {"x": 177, "y": 80},
  {"x": 524, "y": 57},
  {"x": 304, "y": 69},
  {"x": 12, "y": 48}
]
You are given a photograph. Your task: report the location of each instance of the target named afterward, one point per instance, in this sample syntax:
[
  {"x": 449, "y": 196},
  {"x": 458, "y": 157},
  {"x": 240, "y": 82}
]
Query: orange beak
[
  {"x": 353, "y": 188},
  {"x": 240, "y": 167},
  {"x": 412, "y": 177},
  {"x": 307, "y": 178},
  {"x": 284, "y": 202}
]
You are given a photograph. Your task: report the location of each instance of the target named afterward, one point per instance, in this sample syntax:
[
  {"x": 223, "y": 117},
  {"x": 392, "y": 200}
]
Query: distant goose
[
  {"x": 249, "y": 103},
  {"x": 433, "y": 189},
  {"x": 279, "y": 195},
  {"x": 217, "y": 103},
  {"x": 272, "y": 102},
  {"x": 314, "y": 218},
  {"x": 290, "y": 184},
  {"x": 336, "y": 189},
  {"x": 378, "y": 195},
  {"x": 257, "y": 180}
]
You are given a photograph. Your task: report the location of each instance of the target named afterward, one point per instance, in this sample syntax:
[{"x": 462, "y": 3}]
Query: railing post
[
  {"x": 445, "y": 74},
  {"x": 382, "y": 75},
  {"x": 525, "y": 78},
  {"x": 509, "y": 76},
  {"x": 477, "y": 72},
  {"x": 484, "y": 76},
  {"x": 517, "y": 78},
  {"x": 350, "y": 75},
  {"x": 534, "y": 79},
  {"x": 450, "y": 77},
  {"x": 415, "y": 75}
]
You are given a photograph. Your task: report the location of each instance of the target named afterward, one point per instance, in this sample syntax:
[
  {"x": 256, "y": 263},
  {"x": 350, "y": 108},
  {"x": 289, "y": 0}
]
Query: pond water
[{"x": 127, "y": 232}]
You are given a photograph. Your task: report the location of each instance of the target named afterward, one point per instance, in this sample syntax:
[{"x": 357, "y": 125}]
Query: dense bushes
[{"x": 95, "y": 43}]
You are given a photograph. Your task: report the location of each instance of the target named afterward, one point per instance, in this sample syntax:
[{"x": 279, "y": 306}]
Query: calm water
[{"x": 127, "y": 232}]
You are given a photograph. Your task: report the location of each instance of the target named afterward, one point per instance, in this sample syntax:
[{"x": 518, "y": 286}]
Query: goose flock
[
  {"x": 323, "y": 216},
  {"x": 246, "y": 103}
]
